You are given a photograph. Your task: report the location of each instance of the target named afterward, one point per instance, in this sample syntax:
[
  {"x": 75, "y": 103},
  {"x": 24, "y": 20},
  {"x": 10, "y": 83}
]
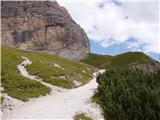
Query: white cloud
[{"x": 108, "y": 23}]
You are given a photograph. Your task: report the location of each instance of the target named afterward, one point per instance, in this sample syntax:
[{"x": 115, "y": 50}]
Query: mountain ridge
[
  {"x": 138, "y": 59},
  {"x": 42, "y": 26}
]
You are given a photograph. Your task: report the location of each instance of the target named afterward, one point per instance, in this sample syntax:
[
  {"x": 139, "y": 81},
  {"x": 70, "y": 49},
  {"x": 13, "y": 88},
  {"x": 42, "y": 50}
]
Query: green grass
[
  {"x": 22, "y": 88},
  {"x": 43, "y": 67},
  {"x": 121, "y": 60},
  {"x": 130, "y": 58},
  {"x": 82, "y": 116},
  {"x": 15, "y": 85},
  {"x": 96, "y": 60},
  {"x": 60, "y": 82}
]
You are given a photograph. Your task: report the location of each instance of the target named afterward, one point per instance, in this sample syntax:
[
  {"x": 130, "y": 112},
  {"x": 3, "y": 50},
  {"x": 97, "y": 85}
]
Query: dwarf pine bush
[{"x": 129, "y": 94}]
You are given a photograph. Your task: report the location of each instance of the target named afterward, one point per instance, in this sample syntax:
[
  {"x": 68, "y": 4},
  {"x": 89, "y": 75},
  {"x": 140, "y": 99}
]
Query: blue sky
[
  {"x": 118, "y": 26},
  {"x": 116, "y": 49}
]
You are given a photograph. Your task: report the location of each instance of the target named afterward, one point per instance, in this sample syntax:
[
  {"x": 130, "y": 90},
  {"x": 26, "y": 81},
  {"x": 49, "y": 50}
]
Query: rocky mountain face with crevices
[{"x": 42, "y": 26}]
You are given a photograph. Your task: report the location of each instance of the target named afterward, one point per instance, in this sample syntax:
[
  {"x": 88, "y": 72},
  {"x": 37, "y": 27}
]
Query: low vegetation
[
  {"x": 82, "y": 116},
  {"x": 130, "y": 58},
  {"x": 121, "y": 60},
  {"x": 45, "y": 66},
  {"x": 129, "y": 94},
  {"x": 15, "y": 85},
  {"x": 96, "y": 60},
  {"x": 2, "y": 99},
  {"x": 52, "y": 69}
]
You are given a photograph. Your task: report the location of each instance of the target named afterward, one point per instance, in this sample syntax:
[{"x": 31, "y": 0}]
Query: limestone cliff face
[{"x": 42, "y": 26}]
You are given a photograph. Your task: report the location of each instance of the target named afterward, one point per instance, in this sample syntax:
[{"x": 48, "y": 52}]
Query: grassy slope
[
  {"x": 42, "y": 65},
  {"x": 14, "y": 84},
  {"x": 72, "y": 70},
  {"x": 96, "y": 60},
  {"x": 130, "y": 58},
  {"x": 120, "y": 60}
]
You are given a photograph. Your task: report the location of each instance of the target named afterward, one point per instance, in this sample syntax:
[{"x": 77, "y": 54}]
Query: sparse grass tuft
[
  {"x": 82, "y": 116},
  {"x": 2, "y": 99}
]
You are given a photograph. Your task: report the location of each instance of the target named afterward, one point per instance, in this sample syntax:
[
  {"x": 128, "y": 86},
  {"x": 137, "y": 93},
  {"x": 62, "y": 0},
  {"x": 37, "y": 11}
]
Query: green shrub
[{"x": 129, "y": 94}]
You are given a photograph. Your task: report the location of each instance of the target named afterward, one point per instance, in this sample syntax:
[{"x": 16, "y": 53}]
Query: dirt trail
[{"x": 60, "y": 103}]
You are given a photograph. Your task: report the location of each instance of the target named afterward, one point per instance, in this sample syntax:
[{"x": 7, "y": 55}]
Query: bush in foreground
[{"x": 129, "y": 94}]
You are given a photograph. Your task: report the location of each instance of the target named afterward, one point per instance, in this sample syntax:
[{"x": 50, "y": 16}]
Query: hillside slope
[
  {"x": 138, "y": 59},
  {"x": 96, "y": 60},
  {"x": 52, "y": 69}
]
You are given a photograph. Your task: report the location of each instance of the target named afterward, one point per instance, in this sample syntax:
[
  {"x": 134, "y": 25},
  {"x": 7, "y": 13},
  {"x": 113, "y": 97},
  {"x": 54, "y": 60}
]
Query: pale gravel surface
[{"x": 59, "y": 104}]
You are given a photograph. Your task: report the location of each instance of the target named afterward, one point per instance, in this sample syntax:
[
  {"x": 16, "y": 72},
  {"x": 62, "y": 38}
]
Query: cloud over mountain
[{"x": 115, "y": 22}]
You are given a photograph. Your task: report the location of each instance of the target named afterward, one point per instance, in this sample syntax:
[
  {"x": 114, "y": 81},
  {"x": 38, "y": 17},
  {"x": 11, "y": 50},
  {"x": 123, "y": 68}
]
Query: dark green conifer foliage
[{"x": 129, "y": 94}]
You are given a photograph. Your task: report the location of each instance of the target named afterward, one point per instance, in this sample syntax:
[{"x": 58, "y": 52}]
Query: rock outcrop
[{"x": 42, "y": 26}]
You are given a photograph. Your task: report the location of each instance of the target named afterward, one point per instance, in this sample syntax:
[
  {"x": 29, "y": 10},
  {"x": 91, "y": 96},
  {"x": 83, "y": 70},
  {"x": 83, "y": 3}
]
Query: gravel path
[{"x": 59, "y": 104}]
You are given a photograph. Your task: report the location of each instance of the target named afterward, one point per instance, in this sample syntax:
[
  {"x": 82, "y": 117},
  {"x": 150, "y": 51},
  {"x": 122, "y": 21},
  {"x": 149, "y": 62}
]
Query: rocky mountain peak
[{"x": 42, "y": 26}]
